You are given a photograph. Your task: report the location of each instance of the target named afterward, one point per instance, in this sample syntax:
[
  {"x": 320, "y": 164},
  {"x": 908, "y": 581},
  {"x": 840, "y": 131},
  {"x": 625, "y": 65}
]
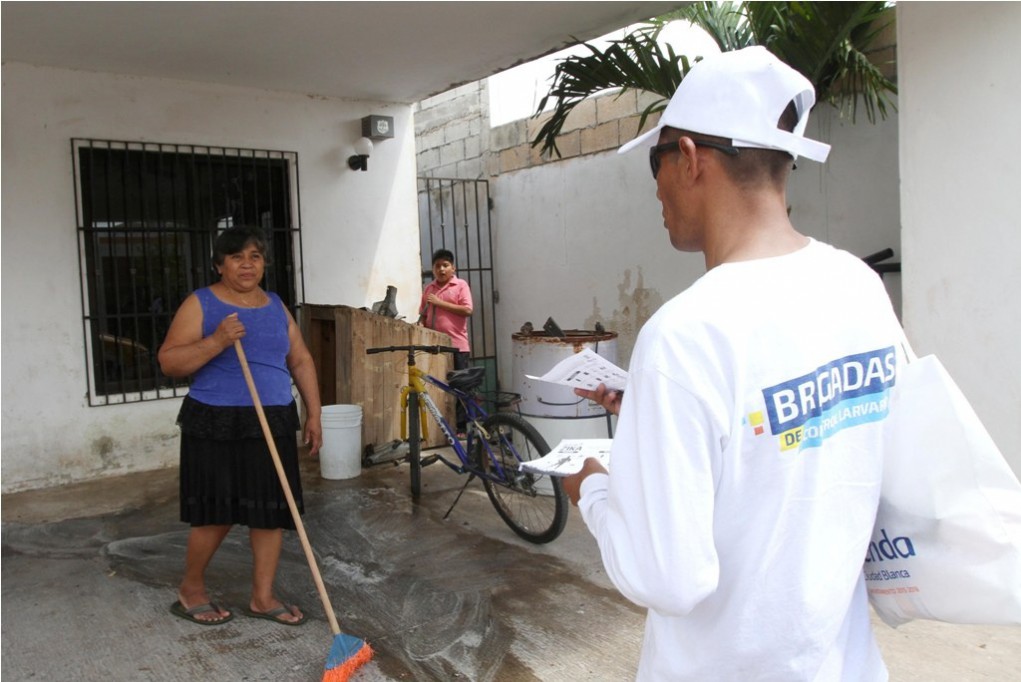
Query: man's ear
[{"x": 689, "y": 152}]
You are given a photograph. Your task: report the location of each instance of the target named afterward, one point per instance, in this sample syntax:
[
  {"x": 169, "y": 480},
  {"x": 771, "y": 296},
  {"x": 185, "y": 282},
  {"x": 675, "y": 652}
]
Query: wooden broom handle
[{"x": 287, "y": 489}]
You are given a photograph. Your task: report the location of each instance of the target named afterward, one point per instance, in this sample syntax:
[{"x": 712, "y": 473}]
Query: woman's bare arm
[
  {"x": 185, "y": 350},
  {"x": 303, "y": 371}
]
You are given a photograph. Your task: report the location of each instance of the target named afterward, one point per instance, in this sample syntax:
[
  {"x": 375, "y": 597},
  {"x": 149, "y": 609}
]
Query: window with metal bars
[{"x": 147, "y": 216}]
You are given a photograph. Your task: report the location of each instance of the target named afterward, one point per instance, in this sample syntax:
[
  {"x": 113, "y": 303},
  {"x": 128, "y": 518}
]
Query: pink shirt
[{"x": 455, "y": 291}]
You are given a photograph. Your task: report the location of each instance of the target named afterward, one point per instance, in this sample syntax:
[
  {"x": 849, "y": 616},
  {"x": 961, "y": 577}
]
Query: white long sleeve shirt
[{"x": 746, "y": 468}]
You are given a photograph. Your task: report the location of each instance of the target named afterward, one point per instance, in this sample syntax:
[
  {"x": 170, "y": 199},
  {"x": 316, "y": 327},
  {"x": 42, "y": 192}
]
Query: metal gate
[{"x": 455, "y": 215}]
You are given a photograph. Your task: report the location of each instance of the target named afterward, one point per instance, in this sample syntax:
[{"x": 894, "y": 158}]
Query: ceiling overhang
[{"x": 399, "y": 52}]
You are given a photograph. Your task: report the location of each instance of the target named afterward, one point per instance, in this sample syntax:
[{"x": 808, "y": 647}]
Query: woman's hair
[{"x": 237, "y": 239}]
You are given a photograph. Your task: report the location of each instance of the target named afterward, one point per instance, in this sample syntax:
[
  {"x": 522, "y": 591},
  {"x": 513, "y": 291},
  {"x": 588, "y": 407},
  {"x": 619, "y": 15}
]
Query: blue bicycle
[{"x": 534, "y": 506}]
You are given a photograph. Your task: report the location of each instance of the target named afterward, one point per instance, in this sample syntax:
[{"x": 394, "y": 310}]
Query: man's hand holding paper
[
  {"x": 586, "y": 369},
  {"x": 610, "y": 400}
]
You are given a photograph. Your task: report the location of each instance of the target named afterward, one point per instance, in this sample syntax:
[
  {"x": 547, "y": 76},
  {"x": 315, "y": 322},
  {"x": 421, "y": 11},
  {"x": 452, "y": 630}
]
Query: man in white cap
[{"x": 745, "y": 472}]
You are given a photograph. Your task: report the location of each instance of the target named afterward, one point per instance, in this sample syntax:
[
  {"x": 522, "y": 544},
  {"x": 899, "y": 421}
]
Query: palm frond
[
  {"x": 725, "y": 23},
  {"x": 634, "y": 62},
  {"x": 829, "y": 42}
]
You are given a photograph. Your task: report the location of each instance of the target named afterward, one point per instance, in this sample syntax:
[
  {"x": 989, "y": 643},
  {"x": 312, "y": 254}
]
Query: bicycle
[{"x": 534, "y": 506}]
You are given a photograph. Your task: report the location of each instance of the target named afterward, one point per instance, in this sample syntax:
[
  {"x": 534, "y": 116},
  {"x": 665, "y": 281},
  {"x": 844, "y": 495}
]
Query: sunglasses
[{"x": 654, "y": 152}]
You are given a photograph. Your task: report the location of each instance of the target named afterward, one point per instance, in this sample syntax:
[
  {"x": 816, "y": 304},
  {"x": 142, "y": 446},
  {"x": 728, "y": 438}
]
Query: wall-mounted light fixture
[{"x": 360, "y": 159}]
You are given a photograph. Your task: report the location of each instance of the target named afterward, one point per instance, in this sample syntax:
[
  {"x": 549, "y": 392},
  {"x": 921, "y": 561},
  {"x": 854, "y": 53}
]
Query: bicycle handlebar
[
  {"x": 424, "y": 349},
  {"x": 874, "y": 258}
]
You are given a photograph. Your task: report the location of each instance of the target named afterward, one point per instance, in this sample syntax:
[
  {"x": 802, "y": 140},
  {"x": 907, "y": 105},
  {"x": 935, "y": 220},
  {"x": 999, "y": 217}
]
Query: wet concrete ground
[{"x": 89, "y": 571}]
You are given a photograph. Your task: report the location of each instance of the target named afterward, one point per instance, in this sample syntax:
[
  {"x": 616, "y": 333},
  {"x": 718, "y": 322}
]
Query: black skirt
[{"x": 227, "y": 472}]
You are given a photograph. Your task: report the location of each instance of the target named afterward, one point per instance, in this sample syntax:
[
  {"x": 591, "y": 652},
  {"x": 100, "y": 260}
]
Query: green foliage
[
  {"x": 828, "y": 42},
  {"x": 635, "y": 62}
]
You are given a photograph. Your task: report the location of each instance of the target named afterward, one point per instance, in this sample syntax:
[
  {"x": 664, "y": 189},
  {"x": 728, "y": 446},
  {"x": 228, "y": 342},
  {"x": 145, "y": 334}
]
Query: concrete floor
[{"x": 90, "y": 570}]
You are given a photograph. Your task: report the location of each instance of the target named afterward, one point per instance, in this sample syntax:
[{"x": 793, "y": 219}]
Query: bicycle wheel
[
  {"x": 415, "y": 445},
  {"x": 534, "y": 506}
]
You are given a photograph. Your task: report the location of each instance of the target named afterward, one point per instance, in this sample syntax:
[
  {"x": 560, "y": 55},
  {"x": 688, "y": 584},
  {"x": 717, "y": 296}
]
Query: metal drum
[{"x": 536, "y": 352}]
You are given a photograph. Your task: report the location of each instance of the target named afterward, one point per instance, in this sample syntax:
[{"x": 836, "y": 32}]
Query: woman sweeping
[{"x": 227, "y": 474}]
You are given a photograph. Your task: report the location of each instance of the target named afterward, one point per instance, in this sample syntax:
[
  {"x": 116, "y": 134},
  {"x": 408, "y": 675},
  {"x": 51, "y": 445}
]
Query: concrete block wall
[
  {"x": 454, "y": 139},
  {"x": 452, "y": 133},
  {"x": 597, "y": 124}
]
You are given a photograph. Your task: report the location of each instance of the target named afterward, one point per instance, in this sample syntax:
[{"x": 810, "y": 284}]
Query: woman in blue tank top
[{"x": 227, "y": 473}]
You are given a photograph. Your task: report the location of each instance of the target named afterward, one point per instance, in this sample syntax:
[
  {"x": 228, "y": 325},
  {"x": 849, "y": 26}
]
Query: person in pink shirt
[{"x": 446, "y": 306}]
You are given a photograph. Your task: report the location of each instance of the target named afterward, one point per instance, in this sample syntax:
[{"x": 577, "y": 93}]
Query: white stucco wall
[
  {"x": 961, "y": 204},
  {"x": 360, "y": 233},
  {"x": 583, "y": 240}
]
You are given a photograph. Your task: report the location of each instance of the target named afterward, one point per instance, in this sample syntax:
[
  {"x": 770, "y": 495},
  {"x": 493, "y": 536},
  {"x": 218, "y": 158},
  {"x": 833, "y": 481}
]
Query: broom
[{"x": 347, "y": 653}]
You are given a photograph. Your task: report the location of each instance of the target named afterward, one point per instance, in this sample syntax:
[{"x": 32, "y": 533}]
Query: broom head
[{"x": 346, "y": 655}]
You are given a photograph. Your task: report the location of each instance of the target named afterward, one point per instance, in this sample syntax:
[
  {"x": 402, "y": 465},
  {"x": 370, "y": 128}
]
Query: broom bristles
[{"x": 346, "y": 655}]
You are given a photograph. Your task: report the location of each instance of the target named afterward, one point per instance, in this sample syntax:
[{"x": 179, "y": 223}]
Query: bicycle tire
[
  {"x": 534, "y": 506},
  {"x": 415, "y": 445}
]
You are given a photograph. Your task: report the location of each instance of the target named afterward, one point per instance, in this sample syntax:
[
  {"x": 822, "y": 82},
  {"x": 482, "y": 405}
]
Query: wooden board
[{"x": 337, "y": 337}]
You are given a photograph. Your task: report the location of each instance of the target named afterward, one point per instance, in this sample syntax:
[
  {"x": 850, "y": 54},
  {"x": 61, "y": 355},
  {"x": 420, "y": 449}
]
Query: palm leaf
[
  {"x": 829, "y": 42},
  {"x": 723, "y": 21},
  {"x": 634, "y": 62}
]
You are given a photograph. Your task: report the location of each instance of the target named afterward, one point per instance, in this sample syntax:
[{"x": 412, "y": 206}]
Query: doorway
[{"x": 455, "y": 215}]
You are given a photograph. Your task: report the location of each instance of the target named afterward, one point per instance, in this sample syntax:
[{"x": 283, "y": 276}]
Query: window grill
[{"x": 147, "y": 215}]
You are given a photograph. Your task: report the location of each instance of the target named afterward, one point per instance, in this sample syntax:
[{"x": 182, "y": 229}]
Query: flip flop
[
  {"x": 274, "y": 615},
  {"x": 177, "y": 608}
]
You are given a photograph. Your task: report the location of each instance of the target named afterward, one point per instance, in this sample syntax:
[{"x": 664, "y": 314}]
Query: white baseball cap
[{"x": 740, "y": 95}]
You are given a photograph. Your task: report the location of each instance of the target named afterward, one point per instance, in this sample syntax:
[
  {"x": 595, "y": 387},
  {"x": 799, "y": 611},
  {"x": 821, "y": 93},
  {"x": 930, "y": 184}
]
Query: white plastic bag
[{"x": 947, "y": 540}]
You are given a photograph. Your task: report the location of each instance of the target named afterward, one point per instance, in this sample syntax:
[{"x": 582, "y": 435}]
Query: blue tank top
[{"x": 221, "y": 381}]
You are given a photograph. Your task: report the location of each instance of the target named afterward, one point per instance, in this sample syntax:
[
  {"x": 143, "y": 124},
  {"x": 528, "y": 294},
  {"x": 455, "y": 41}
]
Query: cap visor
[{"x": 644, "y": 140}]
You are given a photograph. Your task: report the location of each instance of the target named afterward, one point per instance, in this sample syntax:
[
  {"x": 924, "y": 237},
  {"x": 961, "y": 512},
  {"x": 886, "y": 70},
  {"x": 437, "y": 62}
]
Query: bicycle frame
[
  {"x": 417, "y": 383},
  {"x": 537, "y": 515}
]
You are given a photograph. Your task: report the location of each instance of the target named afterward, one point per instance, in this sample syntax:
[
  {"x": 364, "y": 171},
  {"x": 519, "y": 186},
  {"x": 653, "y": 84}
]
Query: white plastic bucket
[{"x": 341, "y": 454}]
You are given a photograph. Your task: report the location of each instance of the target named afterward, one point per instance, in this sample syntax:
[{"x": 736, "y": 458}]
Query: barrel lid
[{"x": 571, "y": 336}]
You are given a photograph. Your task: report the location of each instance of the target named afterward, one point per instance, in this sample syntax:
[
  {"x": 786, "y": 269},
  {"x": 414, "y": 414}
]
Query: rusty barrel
[{"x": 536, "y": 352}]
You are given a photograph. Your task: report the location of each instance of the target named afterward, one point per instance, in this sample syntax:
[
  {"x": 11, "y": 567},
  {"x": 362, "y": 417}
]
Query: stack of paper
[
  {"x": 586, "y": 369},
  {"x": 567, "y": 457}
]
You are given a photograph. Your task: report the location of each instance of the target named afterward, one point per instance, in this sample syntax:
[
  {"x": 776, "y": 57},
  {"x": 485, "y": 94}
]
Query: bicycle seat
[{"x": 466, "y": 379}]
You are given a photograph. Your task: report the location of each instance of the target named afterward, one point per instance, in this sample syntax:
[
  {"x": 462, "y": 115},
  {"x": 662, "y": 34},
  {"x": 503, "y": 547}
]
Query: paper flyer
[
  {"x": 586, "y": 369},
  {"x": 567, "y": 457}
]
